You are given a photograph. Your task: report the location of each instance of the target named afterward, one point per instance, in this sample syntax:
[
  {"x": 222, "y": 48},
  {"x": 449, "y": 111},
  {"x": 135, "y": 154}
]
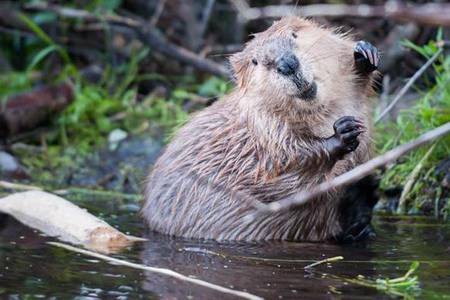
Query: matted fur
[{"x": 261, "y": 142}]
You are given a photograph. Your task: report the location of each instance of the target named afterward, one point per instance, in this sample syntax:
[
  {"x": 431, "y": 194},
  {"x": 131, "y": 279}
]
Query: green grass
[{"x": 431, "y": 111}]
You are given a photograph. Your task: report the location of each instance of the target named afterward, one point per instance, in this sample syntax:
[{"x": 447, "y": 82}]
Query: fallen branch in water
[
  {"x": 57, "y": 217},
  {"x": 156, "y": 270},
  {"x": 429, "y": 14},
  {"x": 410, "y": 82},
  {"x": 148, "y": 34},
  {"x": 352, "y": 176},
  {"x": 323, "y": 261},
  {"x": 99, "y": 193}
]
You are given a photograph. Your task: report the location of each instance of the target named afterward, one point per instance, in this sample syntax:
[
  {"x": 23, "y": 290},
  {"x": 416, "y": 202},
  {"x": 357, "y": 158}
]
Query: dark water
[{"x": 30, "y": 268}]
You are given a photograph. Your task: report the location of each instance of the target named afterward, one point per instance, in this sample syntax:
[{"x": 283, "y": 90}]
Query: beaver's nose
[{"x": 287, "y": 64}]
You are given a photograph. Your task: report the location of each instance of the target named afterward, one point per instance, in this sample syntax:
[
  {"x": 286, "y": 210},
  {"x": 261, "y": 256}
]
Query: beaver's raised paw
[
  {"x": 366, "y": 56},
  {"x": 346, "y": 132}
]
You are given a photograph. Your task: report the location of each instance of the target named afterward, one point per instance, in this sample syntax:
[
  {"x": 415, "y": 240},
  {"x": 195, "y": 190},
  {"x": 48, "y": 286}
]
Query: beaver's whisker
[{"x": 320, "y": 57}]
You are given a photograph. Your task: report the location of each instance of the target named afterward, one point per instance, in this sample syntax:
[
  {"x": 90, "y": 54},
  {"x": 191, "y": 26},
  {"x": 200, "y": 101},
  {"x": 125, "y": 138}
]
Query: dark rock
[{"x": 123, "y": 169}]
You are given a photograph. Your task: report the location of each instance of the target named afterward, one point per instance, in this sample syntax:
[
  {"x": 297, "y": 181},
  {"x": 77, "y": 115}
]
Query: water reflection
[
  {"x": 31, "y": 268},
  {"x": 271, "y": 270}
]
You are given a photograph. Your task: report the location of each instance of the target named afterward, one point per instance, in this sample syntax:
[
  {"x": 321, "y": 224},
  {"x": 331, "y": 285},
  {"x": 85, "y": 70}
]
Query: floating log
[{"x": 57, "y": 217}]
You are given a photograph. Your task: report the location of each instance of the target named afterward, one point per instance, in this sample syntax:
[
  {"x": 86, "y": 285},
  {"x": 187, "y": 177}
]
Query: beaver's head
[{"x": 295, "y": 65}]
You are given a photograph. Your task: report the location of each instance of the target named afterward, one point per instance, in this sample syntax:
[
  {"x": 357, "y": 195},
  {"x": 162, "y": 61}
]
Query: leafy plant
[{"x": 430, "y": 111}]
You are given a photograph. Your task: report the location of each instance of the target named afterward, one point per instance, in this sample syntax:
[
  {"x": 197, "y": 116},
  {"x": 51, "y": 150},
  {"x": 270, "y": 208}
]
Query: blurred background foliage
[{"x": 125, "y": 87}]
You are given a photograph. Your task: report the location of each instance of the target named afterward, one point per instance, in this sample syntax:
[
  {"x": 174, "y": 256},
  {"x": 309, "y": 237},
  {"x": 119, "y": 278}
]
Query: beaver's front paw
[
  {"x": 366, "y": 56},
  {"x": 346, "y": 132}
]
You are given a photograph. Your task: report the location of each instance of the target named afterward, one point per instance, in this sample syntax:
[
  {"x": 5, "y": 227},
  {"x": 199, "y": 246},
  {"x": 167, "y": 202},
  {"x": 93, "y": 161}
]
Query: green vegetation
[
  {"x": 99, "y": 107},
  {"x": 406, "y": 286},
  {"x": 430, "y": 111}
]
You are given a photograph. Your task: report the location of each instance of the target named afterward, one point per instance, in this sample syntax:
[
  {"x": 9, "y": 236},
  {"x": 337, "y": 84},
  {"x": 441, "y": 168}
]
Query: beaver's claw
[
  {"x": 346, "y": 132},
  {"x": 366, "y": 56}
]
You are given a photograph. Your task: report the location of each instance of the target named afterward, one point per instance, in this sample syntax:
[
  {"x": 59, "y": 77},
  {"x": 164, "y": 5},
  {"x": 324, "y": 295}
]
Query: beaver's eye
[
  {"x": 294, "y": 35},
  {"x": 254, "y": 61}
]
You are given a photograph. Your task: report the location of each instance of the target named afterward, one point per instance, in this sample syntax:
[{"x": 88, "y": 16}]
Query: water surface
[{"x": 30, "y": 268}]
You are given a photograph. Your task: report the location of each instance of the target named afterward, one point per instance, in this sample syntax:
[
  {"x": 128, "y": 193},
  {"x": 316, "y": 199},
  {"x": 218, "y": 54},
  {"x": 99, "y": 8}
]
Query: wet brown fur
[{"x": 259, "y": 142}]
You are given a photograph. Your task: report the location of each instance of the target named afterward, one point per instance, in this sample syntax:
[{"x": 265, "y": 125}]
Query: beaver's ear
[{"x": 241, "y": 65}]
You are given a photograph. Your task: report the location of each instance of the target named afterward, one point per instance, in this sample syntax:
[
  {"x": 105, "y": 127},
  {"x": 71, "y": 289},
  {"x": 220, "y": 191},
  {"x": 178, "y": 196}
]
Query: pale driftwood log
[
  {"x": 57, "y": 217},
  {"x": 350, "y": 177},
  {"x": 436, "y": 14},
  {"x": 161, "y": 271}
]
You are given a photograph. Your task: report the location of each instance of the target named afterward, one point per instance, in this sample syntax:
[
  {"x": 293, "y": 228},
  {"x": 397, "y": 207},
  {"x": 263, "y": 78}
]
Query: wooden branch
[
  {"x": 324, "y": 261},
  {"x": 154, "y": 39},
  {"x": 408, "y": 85},
  {"x": 205, "y": 16},
  {"x": 57, "y": 217},
  {"x": 18, "y": 186},
  {"x": 158, "y": 11},
  {"x": 71, "y": 190},
  {"x": 157, "y": 270},
  {"x": 148, "y": 34},
  {"x": 436, "y": 14},
  {"x": 352, "y": 176}
]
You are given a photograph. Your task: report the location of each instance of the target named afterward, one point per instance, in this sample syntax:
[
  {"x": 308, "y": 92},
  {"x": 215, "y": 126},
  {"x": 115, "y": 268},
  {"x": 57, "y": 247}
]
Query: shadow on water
[{"x": 274, "y": 270}]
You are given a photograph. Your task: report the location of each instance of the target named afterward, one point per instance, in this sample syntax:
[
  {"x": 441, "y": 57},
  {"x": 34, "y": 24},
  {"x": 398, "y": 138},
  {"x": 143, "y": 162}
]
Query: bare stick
[
  {"x": 156, "y": 270},
  {"x": 430, "y": 13},
  {"x": 149, "y": 35},
  {"x": 205, "y": 16},
  {"x": 410, "y": 82},
  {"x": 353, "y": 175},
  {"x": 70, "y": 190},
  {"x": 17, "y": 186},
  {"x": 323, "y": 261},
  {"x": 158, "y": 11}
]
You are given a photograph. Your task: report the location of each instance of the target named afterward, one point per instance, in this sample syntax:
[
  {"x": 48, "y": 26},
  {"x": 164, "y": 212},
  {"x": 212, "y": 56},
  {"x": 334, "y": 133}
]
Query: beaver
[{"x": 298, "y": 115}]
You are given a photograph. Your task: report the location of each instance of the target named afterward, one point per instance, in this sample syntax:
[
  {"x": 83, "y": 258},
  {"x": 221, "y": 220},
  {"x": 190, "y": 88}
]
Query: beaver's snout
[{"x": 287, "y": 64}]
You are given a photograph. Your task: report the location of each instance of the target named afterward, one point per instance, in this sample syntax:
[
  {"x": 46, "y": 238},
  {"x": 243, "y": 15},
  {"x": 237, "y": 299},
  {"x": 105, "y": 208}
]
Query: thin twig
[
  {"x": 162, "y": 271},
  {"x": 99, "y": 193},
  {"x": 17, "y": 186},
  {"x": 411, "y": 180},
  {"x": 205, "y": 17},
  {"x": 323, "y": 261},
  {"x": 352, "y": 176},
  {"x": 430, "y": 13},
  {"x": 158, "y": 11},
  {"x": 70, "y": 190},
  {"x": 408, "y": 85}
]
